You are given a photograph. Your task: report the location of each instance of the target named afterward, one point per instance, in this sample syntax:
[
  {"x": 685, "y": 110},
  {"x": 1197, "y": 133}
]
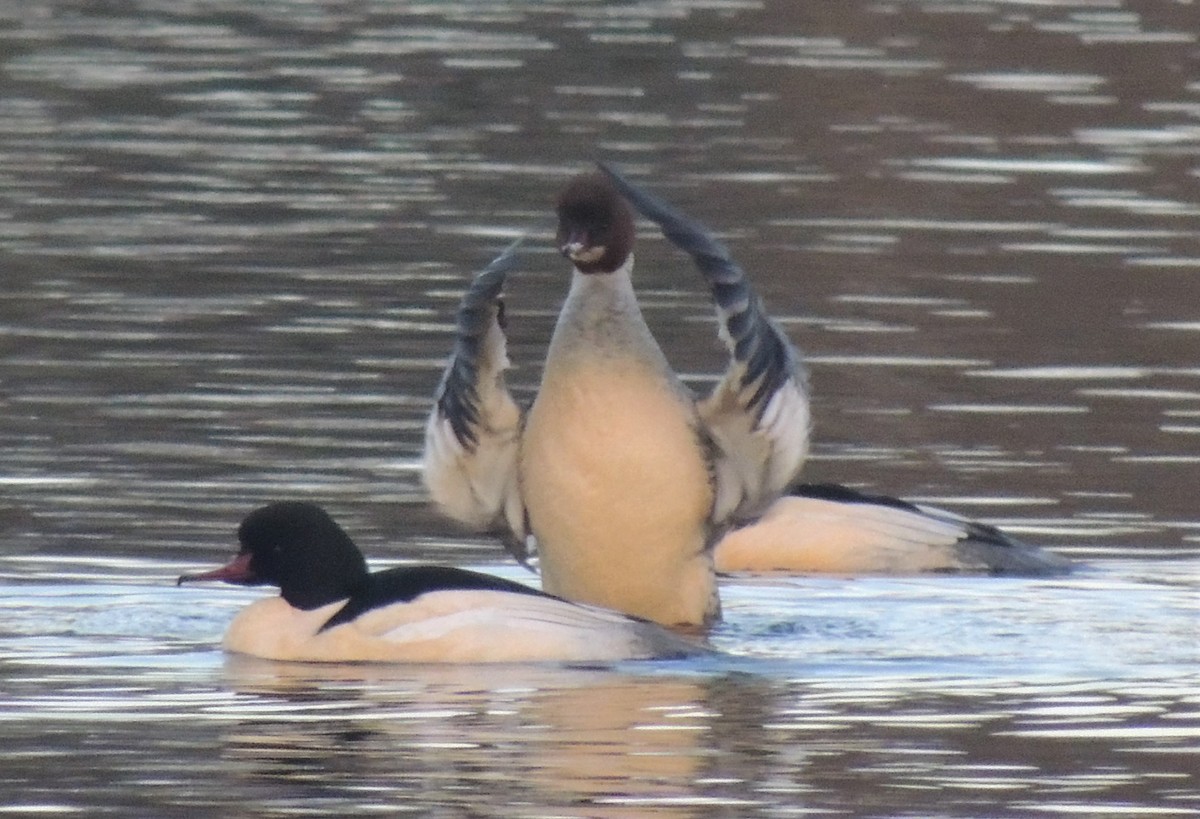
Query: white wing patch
[
  {"x": 756, "y": 459},
  {"x": 758, "y": 415},
  {"x": 473, "y": 432},
  {"x": 477, "y": 485}
]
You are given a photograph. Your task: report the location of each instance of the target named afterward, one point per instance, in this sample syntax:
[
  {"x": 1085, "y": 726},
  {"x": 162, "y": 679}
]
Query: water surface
[{"x": 233, "y": 237}]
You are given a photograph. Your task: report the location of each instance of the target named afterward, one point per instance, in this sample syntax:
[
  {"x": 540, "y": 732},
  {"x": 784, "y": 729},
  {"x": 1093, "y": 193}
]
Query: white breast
[{"x": 613, "y": 471}]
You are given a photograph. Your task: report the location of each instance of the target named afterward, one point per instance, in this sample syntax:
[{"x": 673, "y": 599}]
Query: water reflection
[
  {"x": 558, "y": 735},
  {"x": 190, "y": 731}
]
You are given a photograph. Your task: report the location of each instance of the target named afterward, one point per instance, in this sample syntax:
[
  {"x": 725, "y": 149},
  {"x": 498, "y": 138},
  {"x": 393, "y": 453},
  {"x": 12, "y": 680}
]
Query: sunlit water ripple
[{"x": 893, "y": 689}]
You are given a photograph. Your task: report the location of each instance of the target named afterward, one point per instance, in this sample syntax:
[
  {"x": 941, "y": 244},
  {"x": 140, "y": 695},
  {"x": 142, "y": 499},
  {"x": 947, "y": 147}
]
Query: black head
[
  {"x": 299, "y": 548},
  {"x": 595, "y": 224}
]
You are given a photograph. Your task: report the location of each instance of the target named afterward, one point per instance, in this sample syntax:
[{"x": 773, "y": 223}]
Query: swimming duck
[
  {"x": 632, "y": 490},
  {"x": 331, "y": 609},
  {"x": 829, "y": 528}
]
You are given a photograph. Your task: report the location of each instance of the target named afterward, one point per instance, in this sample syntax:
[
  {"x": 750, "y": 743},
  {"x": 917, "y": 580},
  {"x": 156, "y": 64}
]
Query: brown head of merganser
[{"x": 595, "y": 225}]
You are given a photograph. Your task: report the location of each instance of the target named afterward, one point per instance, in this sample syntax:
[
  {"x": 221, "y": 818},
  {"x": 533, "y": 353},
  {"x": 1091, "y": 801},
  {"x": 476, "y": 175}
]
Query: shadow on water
[{"x": 233, "y": 236}]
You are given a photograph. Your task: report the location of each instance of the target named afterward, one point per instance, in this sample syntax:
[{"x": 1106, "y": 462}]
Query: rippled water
[{"x": 233, "y": 236}]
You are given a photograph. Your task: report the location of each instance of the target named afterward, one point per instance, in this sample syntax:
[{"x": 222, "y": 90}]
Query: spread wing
[
  {"x": 473, "y": 431},
  {"x": 758, "y": 413}
]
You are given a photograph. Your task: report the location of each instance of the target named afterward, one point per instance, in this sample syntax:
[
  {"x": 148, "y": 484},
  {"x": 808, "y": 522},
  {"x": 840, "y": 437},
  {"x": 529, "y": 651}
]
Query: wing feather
[
  {"x": 473, "y": 431},
  {"x": 758, "y": 413}
]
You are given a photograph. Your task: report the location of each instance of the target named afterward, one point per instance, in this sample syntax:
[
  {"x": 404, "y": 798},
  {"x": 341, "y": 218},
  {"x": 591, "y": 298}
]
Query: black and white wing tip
[
  {"x": 758, "y": 413},
  {"x": 481, "y": 311},
  {"x": 766, "y": 356},
  {"x": 473, "y": 432}
]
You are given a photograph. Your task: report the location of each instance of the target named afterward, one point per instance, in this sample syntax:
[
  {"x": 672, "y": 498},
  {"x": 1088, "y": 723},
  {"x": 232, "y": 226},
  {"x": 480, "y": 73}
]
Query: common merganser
[
  {"x": 630, "y": 489},
  {"x": 828, "y": 528},
  {"x": 331, "y": 609},
  {"x": 623, "y": 479}
]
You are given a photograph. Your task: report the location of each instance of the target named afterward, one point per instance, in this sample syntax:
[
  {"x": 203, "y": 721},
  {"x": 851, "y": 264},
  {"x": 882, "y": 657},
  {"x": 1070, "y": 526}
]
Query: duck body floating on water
[
  {"x": 332, "y": 609},
  {"x": 833, "y": 529},
  {"x": 635, "y": 492}
]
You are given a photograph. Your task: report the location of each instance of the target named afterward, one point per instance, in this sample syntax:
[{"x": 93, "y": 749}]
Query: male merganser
[
  {"x": 828, "y": 528},
  {"x": 632, "y": 490},
  {"x": 331, "y": 609}
]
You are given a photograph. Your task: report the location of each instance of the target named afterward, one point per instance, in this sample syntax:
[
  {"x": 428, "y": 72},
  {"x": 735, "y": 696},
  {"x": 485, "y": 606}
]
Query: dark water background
[{"x": 232, "y": 235}]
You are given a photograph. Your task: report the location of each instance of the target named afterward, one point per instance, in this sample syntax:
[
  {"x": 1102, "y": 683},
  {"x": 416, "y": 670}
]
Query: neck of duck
[{"x": 601, "y": 321}]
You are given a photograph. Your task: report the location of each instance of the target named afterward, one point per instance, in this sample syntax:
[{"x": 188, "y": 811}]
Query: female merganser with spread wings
[
  {"x": 623, "y": 479},
  {"x": 631, "y": 488},
  {"x": 331, "y": 609}
]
